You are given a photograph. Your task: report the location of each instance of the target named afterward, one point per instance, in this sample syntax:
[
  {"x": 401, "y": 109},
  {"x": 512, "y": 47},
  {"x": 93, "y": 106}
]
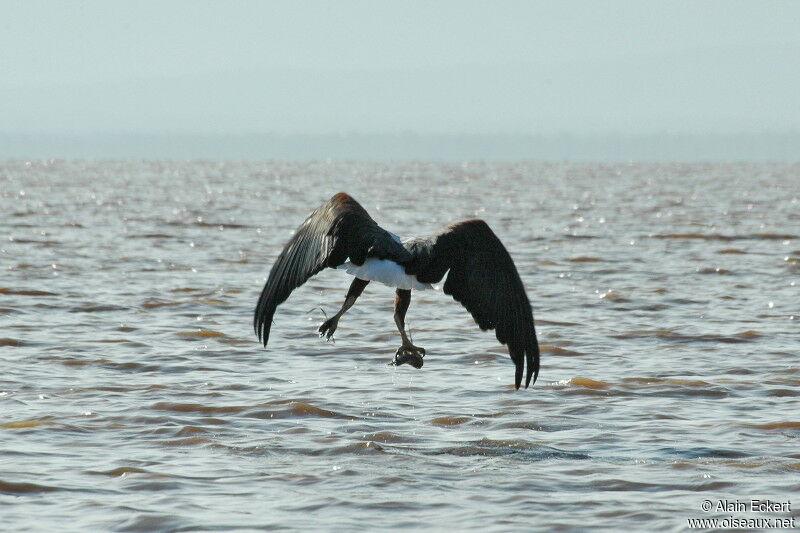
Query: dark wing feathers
[
  {"x": 485, "y": 280},
  {"x": 337, "y": 230}
]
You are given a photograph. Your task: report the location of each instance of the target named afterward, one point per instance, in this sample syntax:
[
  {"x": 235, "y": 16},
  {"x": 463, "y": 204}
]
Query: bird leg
[
  {"x": 407, "y": 353},
  {"x": 328, "y": 328}
]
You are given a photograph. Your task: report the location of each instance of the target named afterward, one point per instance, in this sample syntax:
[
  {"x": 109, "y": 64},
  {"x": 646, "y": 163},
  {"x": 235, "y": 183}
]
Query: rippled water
[{"x": 134, "y": 396}]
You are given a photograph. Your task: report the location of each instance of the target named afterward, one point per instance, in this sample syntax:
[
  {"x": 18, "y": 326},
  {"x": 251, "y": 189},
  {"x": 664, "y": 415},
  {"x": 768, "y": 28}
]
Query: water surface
[{"x": 134, "y": 396}]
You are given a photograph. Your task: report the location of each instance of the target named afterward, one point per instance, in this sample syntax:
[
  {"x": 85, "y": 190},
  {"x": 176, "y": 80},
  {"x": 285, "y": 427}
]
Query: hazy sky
[{"x": 437, "y": 66}]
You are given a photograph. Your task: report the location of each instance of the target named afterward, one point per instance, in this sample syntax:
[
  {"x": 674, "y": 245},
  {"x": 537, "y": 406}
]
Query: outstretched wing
[
  {"x": 485, "y": 280},
  {"x": 337, "y": 230}
]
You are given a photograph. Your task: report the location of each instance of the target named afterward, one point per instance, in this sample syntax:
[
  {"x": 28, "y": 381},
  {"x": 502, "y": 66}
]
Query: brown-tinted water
[{"x": 134, "y": 396}]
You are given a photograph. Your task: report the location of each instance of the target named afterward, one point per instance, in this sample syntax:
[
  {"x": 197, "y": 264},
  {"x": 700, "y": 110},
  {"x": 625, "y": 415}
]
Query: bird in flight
[{"x": 480, "y": 275}]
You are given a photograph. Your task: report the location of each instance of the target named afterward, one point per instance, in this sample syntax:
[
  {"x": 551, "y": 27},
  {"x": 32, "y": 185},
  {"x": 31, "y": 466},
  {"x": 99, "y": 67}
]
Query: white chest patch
[{"x": 385, "y": 271}]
